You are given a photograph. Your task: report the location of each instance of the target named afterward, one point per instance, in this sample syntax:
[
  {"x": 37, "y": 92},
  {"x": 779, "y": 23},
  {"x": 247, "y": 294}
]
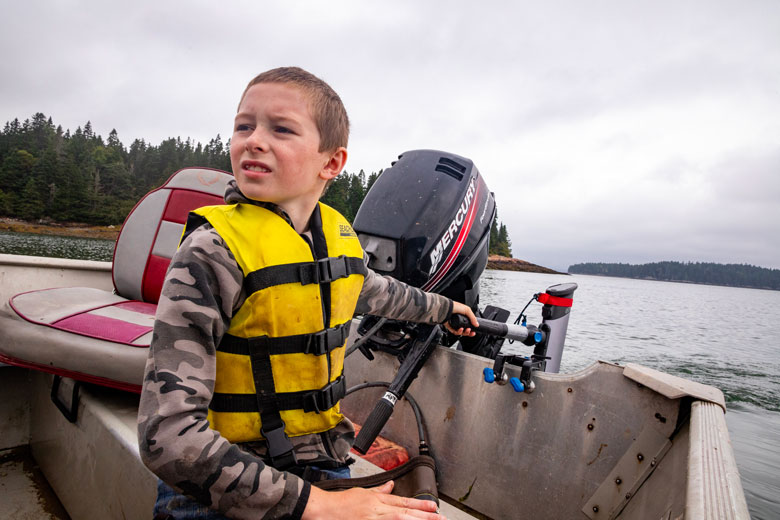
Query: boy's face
[{"x": 274, "y": 150}]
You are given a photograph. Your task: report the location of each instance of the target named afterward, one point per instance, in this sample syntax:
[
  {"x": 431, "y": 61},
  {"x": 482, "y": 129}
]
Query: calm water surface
[{"x": 721, "y": 336}]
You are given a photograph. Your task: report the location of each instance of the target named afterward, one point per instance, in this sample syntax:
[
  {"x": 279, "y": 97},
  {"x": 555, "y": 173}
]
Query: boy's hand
[
  {"x": 460, "y": 308},
  {"x": 372, "y": 503}
]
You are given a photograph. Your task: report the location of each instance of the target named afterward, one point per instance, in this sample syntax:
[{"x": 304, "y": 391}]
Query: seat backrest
[{"x": 151, "y": 232}]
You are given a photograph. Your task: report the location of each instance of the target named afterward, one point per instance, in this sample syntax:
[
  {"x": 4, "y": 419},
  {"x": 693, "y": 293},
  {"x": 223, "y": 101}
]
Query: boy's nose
[{"x": 257, "y": 140}]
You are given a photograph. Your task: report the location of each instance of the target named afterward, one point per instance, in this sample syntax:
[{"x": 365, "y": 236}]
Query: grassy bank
[{"x": 66, "y": 229}]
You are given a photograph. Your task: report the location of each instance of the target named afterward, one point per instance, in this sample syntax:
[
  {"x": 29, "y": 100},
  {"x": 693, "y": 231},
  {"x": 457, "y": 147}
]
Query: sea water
[{"x": 721, "y": 336}]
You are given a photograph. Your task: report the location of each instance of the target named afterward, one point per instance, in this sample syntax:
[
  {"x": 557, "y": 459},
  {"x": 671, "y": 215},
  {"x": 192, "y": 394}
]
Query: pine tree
[
  {"x": 355, "y": 195},
  {"x": 499, "y": 239},
  {"x": 16, "y": 169},
  {"x": 30, "y": 205},
  {"x": 504, "y": 245},
  {"x": 372, "y": 179},
  {"x": 337, "y": 194}
]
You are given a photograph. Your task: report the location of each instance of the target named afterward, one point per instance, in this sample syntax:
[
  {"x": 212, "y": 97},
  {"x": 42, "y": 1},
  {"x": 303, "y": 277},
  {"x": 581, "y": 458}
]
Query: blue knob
[
  {"x": 516, "y": 384},
  {"x": 489, "y": 375},
  {"x": 537, "y": 337}
]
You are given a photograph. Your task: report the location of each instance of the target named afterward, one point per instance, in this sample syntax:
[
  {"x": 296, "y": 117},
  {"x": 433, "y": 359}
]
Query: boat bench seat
[{"x": 99, "y": 336}]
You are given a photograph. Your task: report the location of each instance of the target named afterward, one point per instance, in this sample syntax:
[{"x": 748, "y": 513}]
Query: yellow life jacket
[{"x": 280, "y": 364}]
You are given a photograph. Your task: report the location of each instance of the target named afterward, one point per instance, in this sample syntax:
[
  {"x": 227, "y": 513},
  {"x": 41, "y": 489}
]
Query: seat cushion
[
  {"x": 89, "y": 312},
  {"x": 79, "y": 332}
]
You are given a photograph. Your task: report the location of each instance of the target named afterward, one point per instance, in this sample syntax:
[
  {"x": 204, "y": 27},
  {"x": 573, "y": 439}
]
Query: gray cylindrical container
[{"x": 555, "y": 321}]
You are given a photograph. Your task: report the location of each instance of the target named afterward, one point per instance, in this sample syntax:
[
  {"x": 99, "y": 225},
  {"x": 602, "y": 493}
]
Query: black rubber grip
[
  {"x": 493, "y": 328},
  {"x": 374, "y": 424},
  {"x": 459, "y": 321}
]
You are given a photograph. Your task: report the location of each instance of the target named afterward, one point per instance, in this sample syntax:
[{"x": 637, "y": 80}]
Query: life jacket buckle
[
  {"x": 280, "y": 449},
  {"x": 326, "y": 397},
  {"x": 337, "y": 267},
  {"x": 324, "y": 270},
  {"x": 324, "y": 341}
]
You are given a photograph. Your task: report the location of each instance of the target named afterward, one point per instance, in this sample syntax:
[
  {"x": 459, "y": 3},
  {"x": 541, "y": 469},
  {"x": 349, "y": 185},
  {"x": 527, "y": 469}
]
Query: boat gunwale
[{"x": 55, "y": 263}]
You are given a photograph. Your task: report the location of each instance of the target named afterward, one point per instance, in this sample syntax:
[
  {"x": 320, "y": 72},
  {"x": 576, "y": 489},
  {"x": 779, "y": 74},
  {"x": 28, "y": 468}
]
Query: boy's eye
[
  {"x": 283, "y": 130},
  {"x": 242, "y": 128}
]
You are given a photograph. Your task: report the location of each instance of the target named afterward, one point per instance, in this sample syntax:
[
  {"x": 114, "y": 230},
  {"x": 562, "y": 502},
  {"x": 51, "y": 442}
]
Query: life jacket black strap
[
  {"x": 320, "y": 271},
  {"x": 308, "y": 400},
  {"x": 318, "y": 343},
  {"x": 265, "y": 400},
  {"x": 194, "y": 221}
]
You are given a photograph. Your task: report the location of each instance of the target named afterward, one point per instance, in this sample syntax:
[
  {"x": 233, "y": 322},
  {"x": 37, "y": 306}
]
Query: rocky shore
[
  {"x": 503, "y": 263},
  {"x": 66, "y": 229}
]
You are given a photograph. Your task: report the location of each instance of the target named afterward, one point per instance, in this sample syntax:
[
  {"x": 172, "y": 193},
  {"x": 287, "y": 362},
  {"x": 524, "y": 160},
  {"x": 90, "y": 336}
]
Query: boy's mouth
[{"x": 255, "y": 166}]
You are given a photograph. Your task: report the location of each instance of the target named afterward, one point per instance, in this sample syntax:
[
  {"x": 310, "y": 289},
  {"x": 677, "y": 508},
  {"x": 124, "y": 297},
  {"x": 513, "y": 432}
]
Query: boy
[{"x": 244, "y": 373}]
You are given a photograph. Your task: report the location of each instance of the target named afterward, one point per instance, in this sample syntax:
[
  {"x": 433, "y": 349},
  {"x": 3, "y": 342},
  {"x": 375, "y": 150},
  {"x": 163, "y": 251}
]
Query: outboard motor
[{"x": 426, "y": 221}]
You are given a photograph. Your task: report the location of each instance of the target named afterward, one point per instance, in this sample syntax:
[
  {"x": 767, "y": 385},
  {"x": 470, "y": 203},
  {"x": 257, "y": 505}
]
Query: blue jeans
[{"x": 175, "y": 506}]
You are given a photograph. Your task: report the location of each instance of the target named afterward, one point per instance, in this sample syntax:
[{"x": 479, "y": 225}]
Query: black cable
[
  {"x": 415, "y": 408},
  {"x": 518, "y": 321},
  {"x": 366, "y": 336}
]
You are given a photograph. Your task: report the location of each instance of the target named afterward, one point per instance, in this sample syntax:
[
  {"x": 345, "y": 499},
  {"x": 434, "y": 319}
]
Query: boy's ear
[{"x": 335, "y": 164}]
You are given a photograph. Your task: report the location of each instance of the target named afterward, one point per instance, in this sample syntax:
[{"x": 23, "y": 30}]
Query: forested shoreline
[
  {"x": 55, "y": 175},
  {"x": 735, "y": 275}
]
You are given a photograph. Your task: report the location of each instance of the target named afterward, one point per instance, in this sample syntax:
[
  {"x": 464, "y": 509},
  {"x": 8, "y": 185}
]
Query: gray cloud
[{"x": 609, "y": 131}]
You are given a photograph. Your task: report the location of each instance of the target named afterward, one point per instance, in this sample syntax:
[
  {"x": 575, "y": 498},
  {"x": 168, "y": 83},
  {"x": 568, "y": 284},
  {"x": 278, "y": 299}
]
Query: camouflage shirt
[{"x": 202, "y": 290}]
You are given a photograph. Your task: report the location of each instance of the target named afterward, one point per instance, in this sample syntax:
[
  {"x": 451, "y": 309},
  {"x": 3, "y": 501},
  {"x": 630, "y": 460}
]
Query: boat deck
[
  {"x": 24, "y": 492},
  {"x": 100, "y": 451}
]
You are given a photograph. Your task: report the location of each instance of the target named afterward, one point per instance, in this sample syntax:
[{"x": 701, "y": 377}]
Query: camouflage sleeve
[
  {"x": 385, "y": 296},
  {"x": 202, "y": 287}
]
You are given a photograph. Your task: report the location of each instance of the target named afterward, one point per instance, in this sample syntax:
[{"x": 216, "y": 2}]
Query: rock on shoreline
[{"x": 503, "y": 263}]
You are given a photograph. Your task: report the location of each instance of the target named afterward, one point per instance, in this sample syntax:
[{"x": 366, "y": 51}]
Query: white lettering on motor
[
  {"x": 451, "y": 232},
  {"x": 482, "y": 217}
]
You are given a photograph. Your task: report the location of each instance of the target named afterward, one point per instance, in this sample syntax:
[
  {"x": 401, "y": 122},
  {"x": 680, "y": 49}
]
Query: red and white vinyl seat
[{"x": 103, "y": 337}]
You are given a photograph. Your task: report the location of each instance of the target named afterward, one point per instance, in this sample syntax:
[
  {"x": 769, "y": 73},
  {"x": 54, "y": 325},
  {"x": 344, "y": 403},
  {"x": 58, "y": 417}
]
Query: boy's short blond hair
[{"x": 328, "y": 111}]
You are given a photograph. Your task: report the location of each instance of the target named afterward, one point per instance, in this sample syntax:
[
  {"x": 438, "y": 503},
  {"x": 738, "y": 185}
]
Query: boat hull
[
  {"x": 559, "y": 451},
  {"x": 606, "y": 442}
]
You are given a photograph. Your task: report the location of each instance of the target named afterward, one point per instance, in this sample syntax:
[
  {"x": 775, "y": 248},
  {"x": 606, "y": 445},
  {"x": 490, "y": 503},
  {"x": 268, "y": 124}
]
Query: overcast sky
[{"x": 610, "y": 131}]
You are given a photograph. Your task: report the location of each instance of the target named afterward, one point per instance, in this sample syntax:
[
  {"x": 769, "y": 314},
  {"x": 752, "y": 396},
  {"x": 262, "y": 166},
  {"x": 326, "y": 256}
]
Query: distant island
[
  {"x": 732, "y": 275},
  {"x": 503, "y": 263}
]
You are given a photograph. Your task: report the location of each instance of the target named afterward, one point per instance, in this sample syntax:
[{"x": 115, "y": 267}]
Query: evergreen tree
[
  {"x": 355, "y": 194},
  {"x": 29, "y": 206},
  {"x": 337, "y": 194},
  {"x": 504, "y": 245},
  {"x": 16, "y": 168},
  {"x": 46, "y": 171},
  {"x": 114, "y": 142},
  {"x": 499, "y": 239},
  {"x": 373, "y": 176}
]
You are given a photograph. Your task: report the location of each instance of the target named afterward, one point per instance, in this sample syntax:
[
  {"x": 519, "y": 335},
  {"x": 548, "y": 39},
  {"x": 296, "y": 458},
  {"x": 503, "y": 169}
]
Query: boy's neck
[{"x": 299, "y": 214}]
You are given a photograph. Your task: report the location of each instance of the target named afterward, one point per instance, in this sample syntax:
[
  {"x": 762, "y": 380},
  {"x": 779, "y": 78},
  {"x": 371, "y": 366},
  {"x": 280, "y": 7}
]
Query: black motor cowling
[{"x": 426, "y": 221}]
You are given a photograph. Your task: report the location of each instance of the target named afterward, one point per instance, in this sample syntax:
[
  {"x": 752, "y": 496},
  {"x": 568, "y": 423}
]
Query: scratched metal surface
[{"x": 506, "y": 455}]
